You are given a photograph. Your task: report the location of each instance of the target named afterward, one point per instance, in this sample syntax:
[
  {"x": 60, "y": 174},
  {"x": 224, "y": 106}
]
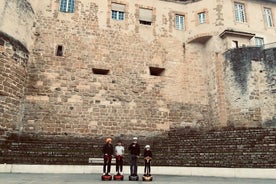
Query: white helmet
[{"x": 147, "y": 146}]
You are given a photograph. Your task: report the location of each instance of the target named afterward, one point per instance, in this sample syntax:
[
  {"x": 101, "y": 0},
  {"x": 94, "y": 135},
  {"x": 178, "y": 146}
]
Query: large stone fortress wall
[
  {"x": 64, "y": 95},
  {"x": 105, "y": 84}
]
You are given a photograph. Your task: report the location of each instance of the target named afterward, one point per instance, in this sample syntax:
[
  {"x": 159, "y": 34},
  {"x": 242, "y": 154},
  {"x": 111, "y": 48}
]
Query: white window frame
[
  {"x": 268, "y": 17},
  {"x": 117, "y": 11},
  {"x": 259, "y": 41},
  {"x": 201, "y": 17},
  {"x": 240, "y": 15},
  {"x": 67, "y": 6},
  {"x": 179, "y": 22},
  {"x": 117, "y": 15}
]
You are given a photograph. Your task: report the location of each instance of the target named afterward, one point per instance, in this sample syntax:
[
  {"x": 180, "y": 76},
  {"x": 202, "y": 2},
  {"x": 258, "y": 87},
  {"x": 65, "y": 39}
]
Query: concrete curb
[{"x": 184, "y": 171}]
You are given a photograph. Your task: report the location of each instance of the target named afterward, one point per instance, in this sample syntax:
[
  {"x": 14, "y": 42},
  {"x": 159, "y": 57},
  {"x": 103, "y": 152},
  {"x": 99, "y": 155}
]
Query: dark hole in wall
[
  {"x": 156, "y": 71},
  {"x": 100, "y": 71},
  {"x": 236, "y": 43},
  {"x": 145, "y": 22},
  {"x": 59, "y": 50}
]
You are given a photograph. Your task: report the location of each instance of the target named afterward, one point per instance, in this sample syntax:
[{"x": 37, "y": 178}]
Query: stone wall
[
  {"x": 17, "y": 19},
  {"x": 70, "y": 79},
  {"x": 250, "y": 87},
  {"x": 102, "y": 84},
  {"x": 232, "y": 148},
  {"x": 70, "y": 94},
  {"x": 13, "y": 77},
  {"x": 189, "y": 147}
]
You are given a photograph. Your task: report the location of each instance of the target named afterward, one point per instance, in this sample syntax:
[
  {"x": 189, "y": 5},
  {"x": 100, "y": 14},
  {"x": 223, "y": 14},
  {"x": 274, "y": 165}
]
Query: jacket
[{"x": 134, "y": 149}]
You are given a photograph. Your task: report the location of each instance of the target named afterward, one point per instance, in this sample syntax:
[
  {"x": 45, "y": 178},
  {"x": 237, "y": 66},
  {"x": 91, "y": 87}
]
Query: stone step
[{"x": 212, "y": 149}]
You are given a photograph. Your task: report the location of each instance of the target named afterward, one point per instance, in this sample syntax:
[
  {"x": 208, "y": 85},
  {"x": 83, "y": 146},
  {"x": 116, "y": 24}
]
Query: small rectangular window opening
[
  {"x": 100, "y": 71},
  {"x": 156, "y": 71},
  {"x": 268, "y": 17},
  {"x": 179, "y": 22},
  {"x": 201, "y": 17},
  {"x": 259, "y": 41},
  {"x": 59, "y": 50},
  {"x": 236, "y": 43},
  {"x": 144, "y": 22}
]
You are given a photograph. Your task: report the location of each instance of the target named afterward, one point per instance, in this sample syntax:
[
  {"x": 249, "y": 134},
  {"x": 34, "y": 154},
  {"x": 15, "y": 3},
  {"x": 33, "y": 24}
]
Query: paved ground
[{"x": 14, "y": 178}]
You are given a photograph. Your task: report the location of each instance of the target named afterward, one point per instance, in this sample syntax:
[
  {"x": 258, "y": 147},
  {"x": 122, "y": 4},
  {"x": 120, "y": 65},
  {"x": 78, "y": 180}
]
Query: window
[
  {"x": 145, "y": 16},
  {"x": 59, "y": 50},
  {"x": 240, "y": 12},
  {"x": 117, "y": 11},
  {"x": 201, "y": 17},
  {"x": 259, "y": 42},
  {"x": 67, "y": 6},
  {"x": 268, "y": 17},
  {"x": 156, "y": 71},
  {"x": 179, "y": 22},
  {"x": 100, "y": 71},
  {"x": 235, "y": 44}
]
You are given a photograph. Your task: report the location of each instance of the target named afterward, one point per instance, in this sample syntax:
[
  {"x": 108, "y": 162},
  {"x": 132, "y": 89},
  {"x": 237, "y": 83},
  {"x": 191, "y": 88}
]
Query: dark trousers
[
  {"x": 147, "y": 166},
  {"x": 133, "y": 164},
  {"x": 119, "y": 164},
  {"x": 107, "y": 164}
]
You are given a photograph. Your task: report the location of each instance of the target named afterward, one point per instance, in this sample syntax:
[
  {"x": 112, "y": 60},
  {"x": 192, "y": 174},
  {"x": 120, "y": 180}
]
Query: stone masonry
[
  {"x": 84, "y": 75},
  {"x": 205, "y": 93},
  {"x": 64, "y": 95},
  {"x": 70, "y": 94}
]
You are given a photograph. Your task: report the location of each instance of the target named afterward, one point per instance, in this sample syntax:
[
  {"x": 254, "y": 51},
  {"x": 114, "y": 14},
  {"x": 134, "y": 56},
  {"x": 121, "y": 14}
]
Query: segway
[
  {"x": 118, "y": 176},
  {"x": 147, "y": 176},
  {"x": 106, "y": 176},
  {"x": 133, "y": 174},
  {"x": 133, "y": 178}
]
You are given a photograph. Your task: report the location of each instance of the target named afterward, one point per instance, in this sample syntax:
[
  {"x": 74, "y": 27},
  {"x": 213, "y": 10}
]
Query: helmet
[
  {"x": 135, "y": 138},
  {"x": 108, "y": 140},
  {"x": 147, "y": 146}
]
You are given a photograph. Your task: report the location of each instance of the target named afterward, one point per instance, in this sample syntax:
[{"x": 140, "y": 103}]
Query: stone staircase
[
  {"x": 250, "y": 148},
  {"x": 62, "y": 151}
]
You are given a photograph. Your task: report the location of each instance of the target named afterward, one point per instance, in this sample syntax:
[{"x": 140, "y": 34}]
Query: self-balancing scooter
[
  {"x": 107, "y": 176},
  {"x": 118, "y": 176},
  {"x": 147, "y": 176}
]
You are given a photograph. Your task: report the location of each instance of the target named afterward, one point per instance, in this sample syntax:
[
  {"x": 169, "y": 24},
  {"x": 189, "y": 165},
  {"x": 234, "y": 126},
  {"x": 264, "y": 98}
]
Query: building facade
[{"x": 118, "y": 67}]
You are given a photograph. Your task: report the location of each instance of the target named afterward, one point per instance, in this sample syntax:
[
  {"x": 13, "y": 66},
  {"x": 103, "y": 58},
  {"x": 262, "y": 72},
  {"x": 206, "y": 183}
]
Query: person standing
[
  {"x": 147, "y": 158},
  {"x": 134, "y": 149},
  {"x": 119, "y": 153},
  {"x": 108, "y": 152}
]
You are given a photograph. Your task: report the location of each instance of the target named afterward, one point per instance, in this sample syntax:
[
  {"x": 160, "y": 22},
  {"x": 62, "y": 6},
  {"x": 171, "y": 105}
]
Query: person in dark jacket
[
  {"x": 108, "y": 153},
  {"x": 147, "y": 158},
  {"x": 134, "y": 149}
]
